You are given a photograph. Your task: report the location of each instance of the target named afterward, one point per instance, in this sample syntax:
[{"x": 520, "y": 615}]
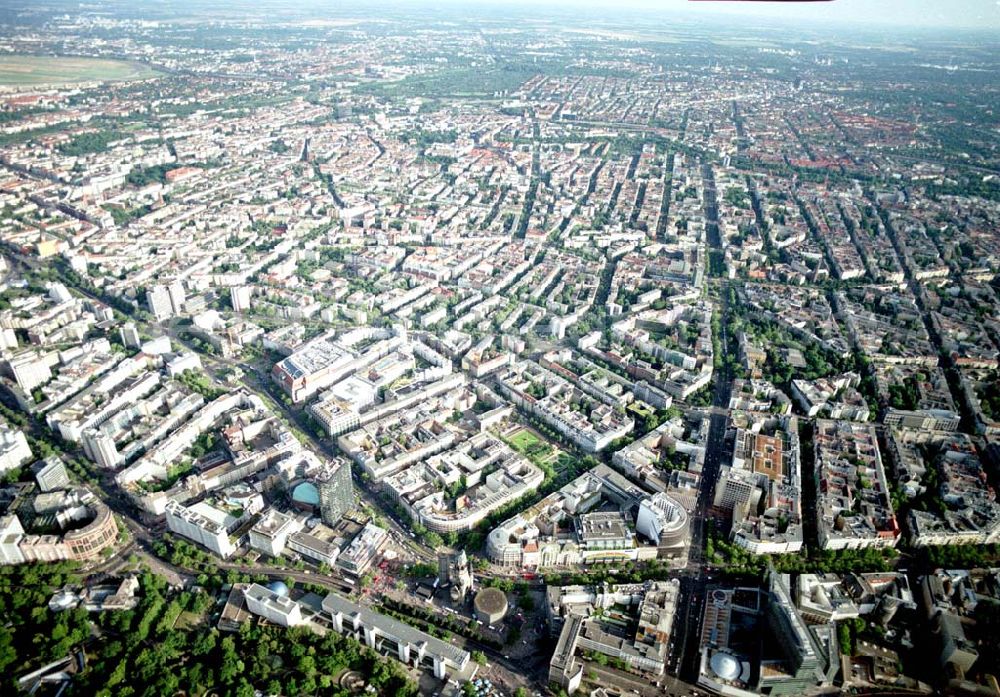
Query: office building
[
  {"x": 240, "y": 296},
  {"x": 89, "y": 542},
  {"x": 203, "y": 524},
  {"x": 102, "y": 449},
  {"x": 177, "y": 298},
  {"x": 581, "y": 618},
  {"x": 270, "y": 533},
  {"x": 363, "y": 550},
  {"x": 158, "y": 302},
  {"x": 336, "y": 491},
  {"x": 14, "y": 449},
  {"x": 735, "y": 490},
  {"x": 85, "y": 543},
  {"x": 922, "y": 419},
  {"x": 51, "y": 474},
  {"x": 314, "y": 366},
  {"x": 664, "y": 522},
  {"x": 319, "y": 544},
  {"x": 32, "y": 369},
  {"x": 807, "y": 661},
  {"x": 11, "y": 534},
  {"x": 130, "y": 335}
]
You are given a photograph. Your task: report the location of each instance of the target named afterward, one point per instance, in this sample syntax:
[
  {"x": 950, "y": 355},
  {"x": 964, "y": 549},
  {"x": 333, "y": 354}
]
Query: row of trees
[
  {"x": 736, "y": 561},
  {"x": 629, "y": 572},
  {"x": 960, "y": 556},
  {"x": 989, "y": 396}
]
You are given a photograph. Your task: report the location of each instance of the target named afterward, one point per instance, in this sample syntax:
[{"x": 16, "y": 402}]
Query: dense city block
[{"x": 403, "y": 350}]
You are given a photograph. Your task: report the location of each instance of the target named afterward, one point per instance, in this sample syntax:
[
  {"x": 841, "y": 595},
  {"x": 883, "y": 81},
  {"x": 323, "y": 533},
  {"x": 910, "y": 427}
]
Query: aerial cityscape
[{"x": 498, "y": 349}]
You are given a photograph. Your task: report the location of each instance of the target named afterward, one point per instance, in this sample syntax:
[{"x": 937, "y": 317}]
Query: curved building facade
[
  {"x": 663, "y": 521},
  {"x": 87, "y": 543},
  {"x": 82, "y": 544}
]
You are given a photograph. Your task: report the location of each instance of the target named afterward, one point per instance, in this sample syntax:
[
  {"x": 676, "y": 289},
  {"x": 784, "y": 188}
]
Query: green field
[
  {"x": 531, "y": 445},
  {"x": 523, "y": 439},
  {"x": 53, "y": 70},
  {"x": 465, "y": 82}
]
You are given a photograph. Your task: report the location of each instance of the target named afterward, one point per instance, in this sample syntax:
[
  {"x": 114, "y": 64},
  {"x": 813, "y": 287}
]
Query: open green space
[
  {"x": 55, "y": 70},
  {"x": 468, "y": 82},
  {"x": 524, "y": 439},
  {"x": 532, "y": 446}
]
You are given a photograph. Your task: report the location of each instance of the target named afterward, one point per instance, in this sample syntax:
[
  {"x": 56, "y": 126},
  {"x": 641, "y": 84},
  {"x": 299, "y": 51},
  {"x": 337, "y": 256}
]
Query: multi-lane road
[
  {"x": 685, "y": 654},
  {"x": 683, "y": 659}
]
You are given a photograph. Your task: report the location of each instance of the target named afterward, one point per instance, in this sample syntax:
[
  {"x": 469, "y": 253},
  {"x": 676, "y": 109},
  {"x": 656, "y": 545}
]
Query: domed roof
[
  {"x": 278, "y": 588},
  {"x": 725, "y": 666},
  {"x": 306, "y": 493}
]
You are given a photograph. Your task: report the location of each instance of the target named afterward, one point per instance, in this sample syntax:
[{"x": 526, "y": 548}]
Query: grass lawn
[
  {"x": 534, "y": 447},
  {"x": 524, "y": 439},
  {"x": 55, "y": 70}
]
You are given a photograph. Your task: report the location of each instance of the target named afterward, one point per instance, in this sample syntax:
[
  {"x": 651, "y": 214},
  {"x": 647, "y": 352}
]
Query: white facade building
[
  {"x": 274, "y": 607},
  {"x": 203, "y": 524},
  {"x": 14, "y": 449}
]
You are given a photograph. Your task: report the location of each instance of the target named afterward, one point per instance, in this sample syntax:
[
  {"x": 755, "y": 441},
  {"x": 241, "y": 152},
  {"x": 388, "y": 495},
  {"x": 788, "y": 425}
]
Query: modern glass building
[{"x": 336, "y": 492}]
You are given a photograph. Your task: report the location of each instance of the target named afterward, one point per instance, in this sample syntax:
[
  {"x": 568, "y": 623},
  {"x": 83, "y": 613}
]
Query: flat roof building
[
  {"x": 390, "y": 636},
  {"x": 51, "y": 474},
  {"x": 275, "y": 607},
  {"x": 270, "y": 533},
  {"x": 363, "y": 550},
  {"x": 201, "y": 525},
  {"x": 647, "y": 607}
]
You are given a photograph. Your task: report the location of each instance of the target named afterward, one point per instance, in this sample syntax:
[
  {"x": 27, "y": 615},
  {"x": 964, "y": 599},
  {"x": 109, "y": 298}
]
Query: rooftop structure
[
  {"x": 388, "y": 635},
  {"x": 566, "y": 528},
  {"x": 490, "y": 605},
  {"x": 648, "y": 607},
  {"x": 852, "y": 498},
  {"x": 763, "y": 485}
]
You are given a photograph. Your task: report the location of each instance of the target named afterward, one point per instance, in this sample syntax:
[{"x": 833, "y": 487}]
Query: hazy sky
[{"x": 984, "y": 14}]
